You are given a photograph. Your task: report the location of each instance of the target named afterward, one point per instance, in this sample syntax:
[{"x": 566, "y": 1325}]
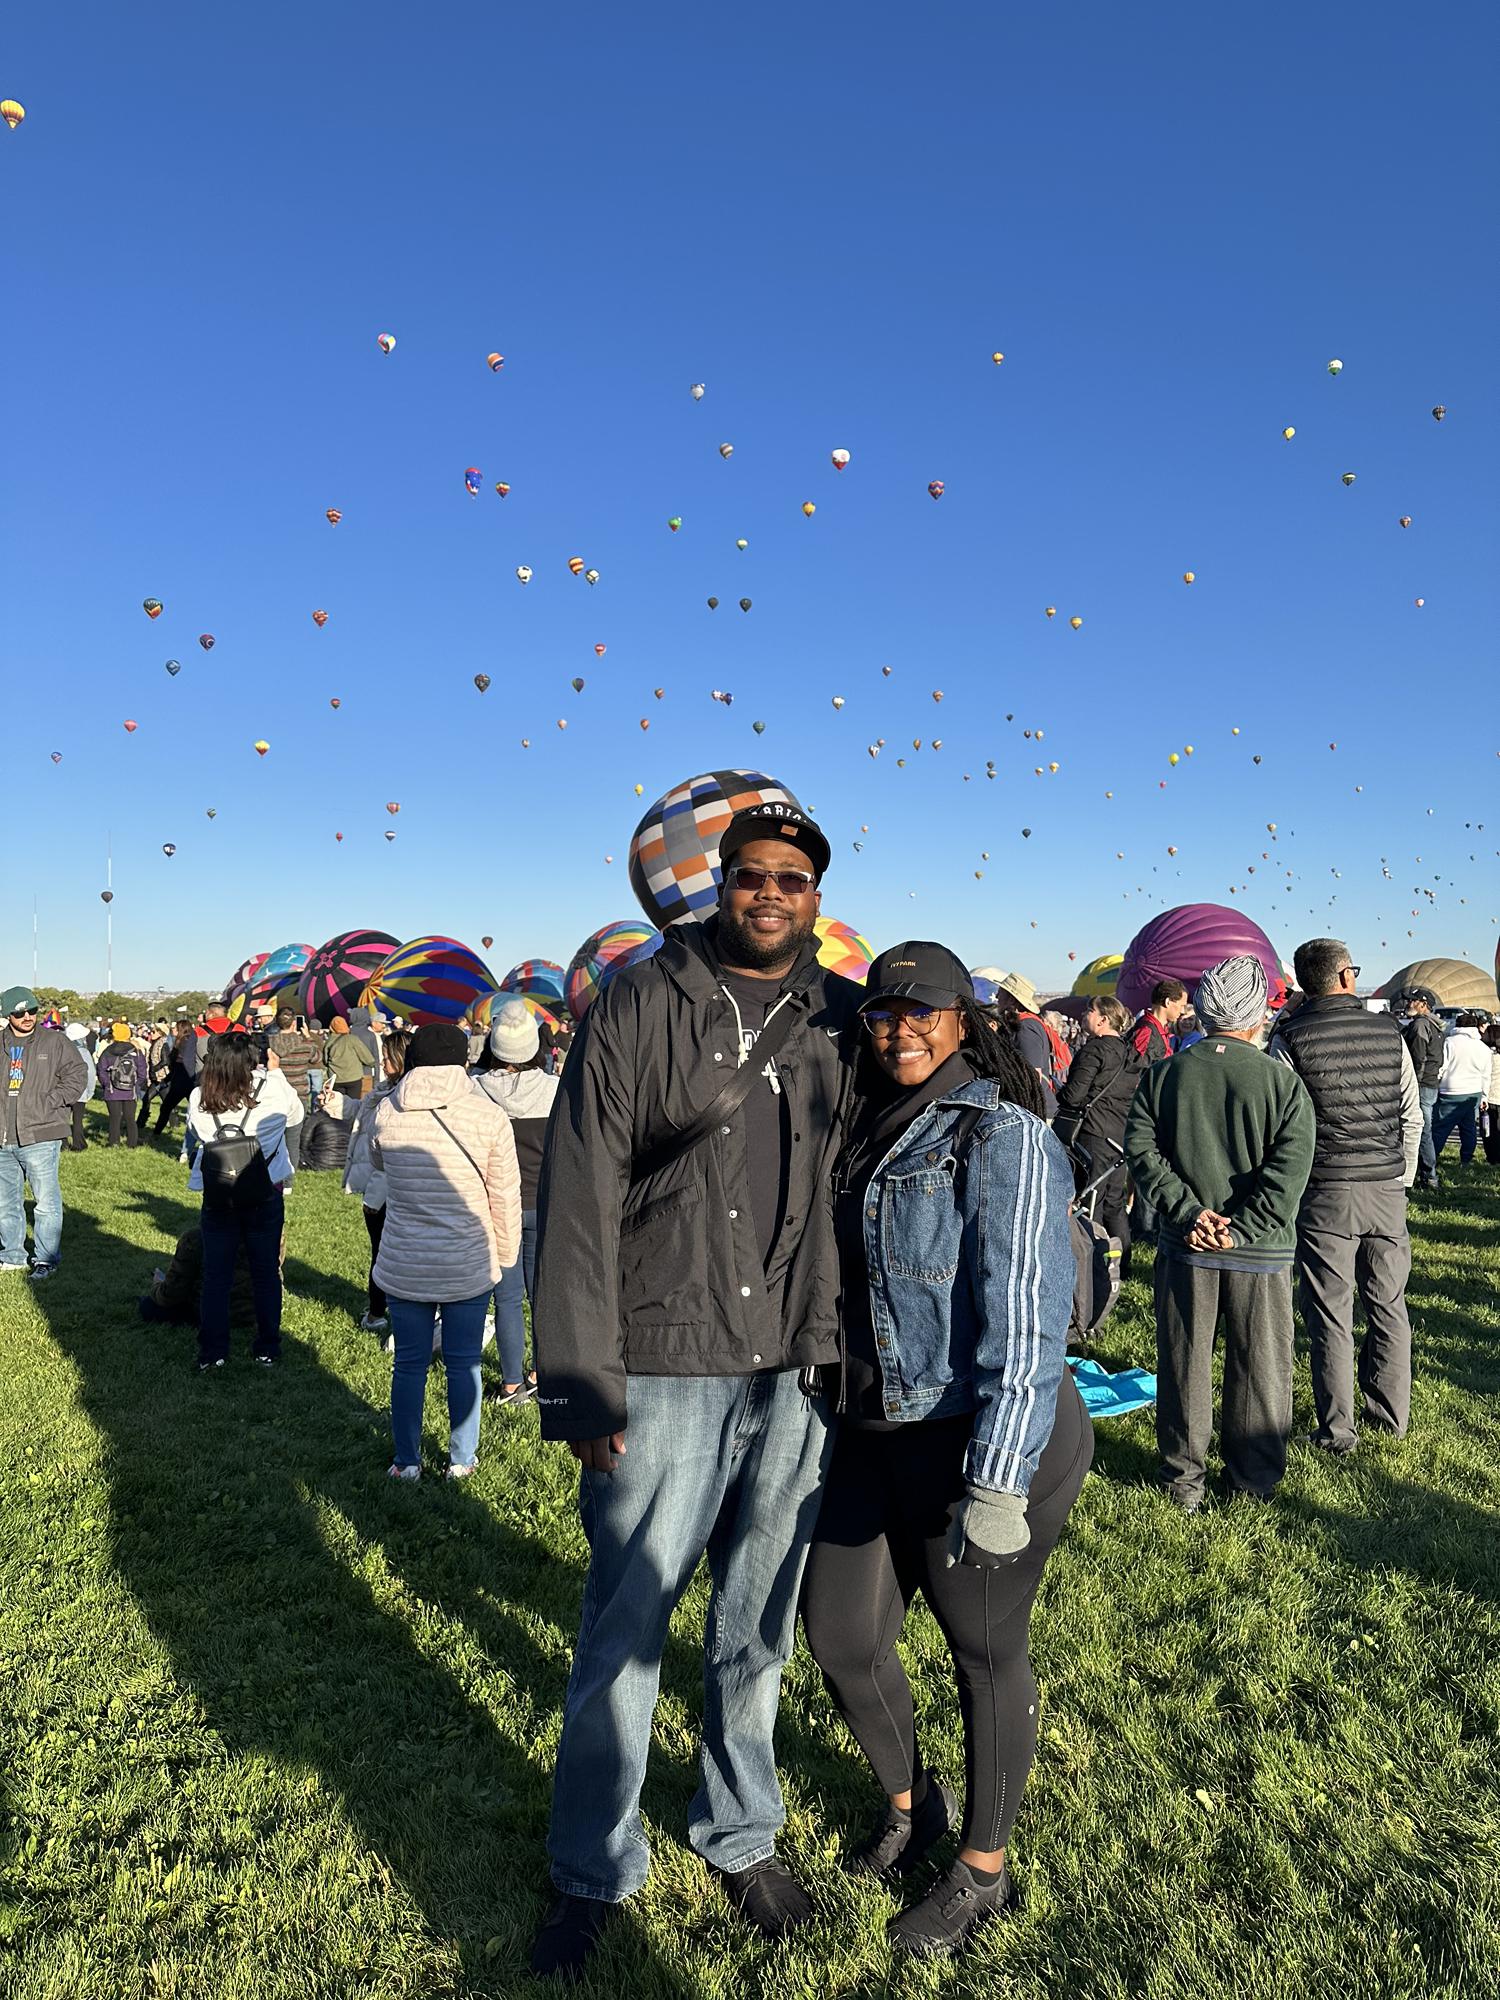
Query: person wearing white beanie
[{"x": 511, "y": 1072}]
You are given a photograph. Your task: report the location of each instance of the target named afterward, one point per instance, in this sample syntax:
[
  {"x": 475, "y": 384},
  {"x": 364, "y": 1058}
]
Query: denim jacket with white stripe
[{"x": 971, "y": 1276}]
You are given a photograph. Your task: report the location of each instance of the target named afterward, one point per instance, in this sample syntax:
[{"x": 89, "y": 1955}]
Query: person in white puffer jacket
[
  {"x": 361, "y": 1176},
  {"x": 1463, "y": 1087},
  {"x": 452, "y": 1224}
]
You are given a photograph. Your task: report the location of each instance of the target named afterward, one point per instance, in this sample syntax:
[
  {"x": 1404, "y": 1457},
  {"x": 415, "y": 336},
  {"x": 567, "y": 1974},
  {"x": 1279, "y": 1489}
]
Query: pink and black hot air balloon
[
  {"x": 1183, "y": 943},
  {"x": 340, "y": 970}
]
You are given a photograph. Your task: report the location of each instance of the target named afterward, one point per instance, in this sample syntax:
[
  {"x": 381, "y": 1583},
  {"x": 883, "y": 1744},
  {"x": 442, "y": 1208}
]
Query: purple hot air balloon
[{"x": 1183, "y": 943}]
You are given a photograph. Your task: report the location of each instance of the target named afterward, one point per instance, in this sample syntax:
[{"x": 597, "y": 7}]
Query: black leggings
[
  {"x": 179, "y": 1088},
  {"x": 374, "y": 1225},
  {"x": 122, "y": 1118},
  {"x": 881, "y": 1537}
]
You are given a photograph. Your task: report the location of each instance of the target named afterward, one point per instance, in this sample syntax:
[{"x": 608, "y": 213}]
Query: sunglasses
[
  {"x": 1354, "y": 970},
  {"x": 884, "y": 1020},
  {"x": 790, "y": 881},
  {"x": 23, "y": 1013}
]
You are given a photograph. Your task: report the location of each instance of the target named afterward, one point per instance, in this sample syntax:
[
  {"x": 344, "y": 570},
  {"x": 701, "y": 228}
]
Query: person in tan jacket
[{"x": 452, "y": 1225}]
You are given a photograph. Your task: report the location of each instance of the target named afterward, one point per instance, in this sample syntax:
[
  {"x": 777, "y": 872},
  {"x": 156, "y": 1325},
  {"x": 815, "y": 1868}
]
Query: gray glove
[{"x": 988, "y": 1529}]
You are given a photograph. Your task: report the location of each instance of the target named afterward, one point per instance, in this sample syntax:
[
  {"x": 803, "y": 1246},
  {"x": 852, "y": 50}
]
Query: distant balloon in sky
[
  {"x": 333, "y": 517},
  {"x": 713, "y": 604},
  {"x": 1188, "y": 576},
  {"x": 1335, "y": 367},
  {"x": 106, "y": 895},
  {"x": 212, "y": 811},
  {"x": 1405, "y": 521},
  {"x": 169, "y": 848},
  {"x": 840, "y": 459},
  {"x": 742, "y": 543},
  {"x": 577, "y": 685},
  {"x": 131, "y": 727},
  {"x": 575, "y": 565},
  {"x": 935, "y": 488},
  {"x": 600, "y": 651},
  {"x": 591, "y": 577},
  {"x": 57, "y": 756},
  {"x": 726, "y": 451},
  {"x": 696, "y": 391},
  {"x": 495, "y": 362},
  {"x": 744, "y": 604},
  {"x": 393, "y": 806},
  {"x": 1439, "y": 412},
  {"x": 152, "y": 607},
  {"x": 12, "y": 112},
  {"x": 320, "y": 619},
  {"x": 333, "y": 701},
  {"x": 674, "y": 522},
  {"x": 261, "y": 746},
  {"x": 759, "y": 728},
  {"x": 1174, "y": 758},
  {"x": 386, "y": 342},
  {"x": 486, "y": 942},
  {"x": 1076, "y": 623},
  {"x": 481, "y": 681},
  {"x": 997, "y": 357},
  {"x": 1051, "y": 610},
  {"x": 1348, "y": 478},
  {"x": 1290, "y": 432},
  {"x": 501, "y": 488},
  {"x": 809, "y": 508},
  {"x": 206, "y": 641},
  {"x": 472, "y": 478},
  {"x": 174, "y": 668},
  {"x": 391, "y": 834},
  {"x": 523, "y": 572}
]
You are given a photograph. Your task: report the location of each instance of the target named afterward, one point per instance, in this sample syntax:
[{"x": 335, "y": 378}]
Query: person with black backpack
[
  {"x": 121, "y": 1068},
  {"x": 240, "y": 1114},
  {"x": 962, "y": 1442}
]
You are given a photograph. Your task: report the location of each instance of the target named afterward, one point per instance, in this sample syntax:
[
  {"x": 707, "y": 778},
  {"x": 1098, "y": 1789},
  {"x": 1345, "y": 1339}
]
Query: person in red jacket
[{"x": 1152, "y": 1039}]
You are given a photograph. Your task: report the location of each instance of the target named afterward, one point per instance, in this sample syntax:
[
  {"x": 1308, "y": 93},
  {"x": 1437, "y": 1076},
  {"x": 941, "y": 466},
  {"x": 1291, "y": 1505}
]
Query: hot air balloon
[
  {"x": 481, "y": 681},
  {"x": 577, "y": 685},
  {"x": 696, "y": 392},
  {"x": 600, "y": 651},
  {"x": 935, "y": 488},
  {"x": 495, "y": 362},
  {"x": 486, "y": 942},
  {"x": 1290, "y": 432},
  {"x": 842, "y": 949},
  {"x": 174, "y": 668},
  {"x": 1099, "y": 977},
  {"x": 713, "y": 604},
  {"x": 333, "y": 701},
  {"x": 1439, "y": 412},
  {"x": 338, "y": 836},
  {"x": 744, "y": 604},
  {"x": 1076, "y": 623},
  {"x": 386, "y": 342},
  {"x": 1188, "y": 576},
  {"x": 261, "y": 746},
  {"x": 674, "y": 522},
  {"x": 244, "y": 975},
  {"x": 393, "y": 806},
  {"x": 591, "y": 576},
  {"x": 937, "y": 695},
  {"x": 1182, "y": 943},
  {"x": 430, "y": 979},
  {"x": 596, "y": 954},
  {"x": 726, "y": 451},
  {"x": 106, "y": 895},
  {"x": 12, "y": 112},
  {"x": 542, "y": 977},
  {"x": 472, "y": 479},
  {"x": 839, "y": 458},
  {"x": 997, "y": 357},
  {"x": 206, "y": 641},
  {"x": 333, "y": 517},
  {"x": 1051, "y": 610},
  {"x": 1174, "y": 758},
  {"x": 838, "y": 701},
  {"x": 575, "y": 565},
  {"x": 1335, "y": 367},
  {"x": 130, "y": 726},
  {"x": 674, "y": 852},
  {"x": 391, "y": 834},
  {"x": 212, "y": 812},
  {"x": 809, "y": 509},
  {"x": 338, "y": 972},
  {"x": 885, "y": 673},
  {"x": 523, "y": 573},
  {"x": 169, "y": 848},
  {"x": 742, "y": 543},
  {"x": 1348, "y": 478},
  {"x": 152, "y": 607},
  {"x": 1455, "y": 982},
  {"x": 759, "y": 728},
  {"x": 320, "y": 619},
  {"x": 57, "y": 756},
  {"x": 1025, "y": 833},
  {"x": 501, "y": 488}
]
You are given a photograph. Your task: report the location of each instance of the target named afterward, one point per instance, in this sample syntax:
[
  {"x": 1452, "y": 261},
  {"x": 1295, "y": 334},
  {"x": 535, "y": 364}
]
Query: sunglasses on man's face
[
  {"x": 23, "y": 1013},
  {"x": 790, "y": 881}
]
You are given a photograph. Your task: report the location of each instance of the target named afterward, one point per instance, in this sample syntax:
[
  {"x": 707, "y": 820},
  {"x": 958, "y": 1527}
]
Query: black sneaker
[
  {"x": 566, "y": 1941},
  {"x": 901, "y": 1841},
  {"x": 952, "y": 1912},
  {"x": 769, "y": 1897}
]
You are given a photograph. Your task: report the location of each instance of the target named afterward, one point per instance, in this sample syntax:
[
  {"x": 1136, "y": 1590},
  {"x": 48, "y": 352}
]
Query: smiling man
[
  {"x": 686, "y": 1279},
  {"x": 45, "y": 1077}
]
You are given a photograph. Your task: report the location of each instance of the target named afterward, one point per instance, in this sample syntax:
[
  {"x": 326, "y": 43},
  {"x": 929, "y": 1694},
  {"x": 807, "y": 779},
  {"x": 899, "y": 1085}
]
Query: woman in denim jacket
[{"x": 962, "y": 1442}]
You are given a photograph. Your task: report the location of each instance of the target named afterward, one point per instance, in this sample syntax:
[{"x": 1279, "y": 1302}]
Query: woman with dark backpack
[
  {"x": 239, "y": 1115},
  {"x": 1091, "y": 1110},
  {"x": 121, "y": 1069},
  {"x": 961, "y": 1442}
]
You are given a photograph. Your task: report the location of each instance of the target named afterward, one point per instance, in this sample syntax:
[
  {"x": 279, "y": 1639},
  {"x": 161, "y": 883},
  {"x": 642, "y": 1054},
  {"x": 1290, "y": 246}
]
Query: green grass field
[{"x": 271, "y": 1726}]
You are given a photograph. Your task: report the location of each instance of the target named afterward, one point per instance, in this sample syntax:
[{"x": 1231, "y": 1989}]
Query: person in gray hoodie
[{"x": 511, "y": 1073}]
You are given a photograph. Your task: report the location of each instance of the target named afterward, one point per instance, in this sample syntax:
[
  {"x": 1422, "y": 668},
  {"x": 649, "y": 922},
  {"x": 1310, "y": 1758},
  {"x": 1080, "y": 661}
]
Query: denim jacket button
[
  {"x": 932, "y": 1159},
  {"x": 871, "y": 1213}
]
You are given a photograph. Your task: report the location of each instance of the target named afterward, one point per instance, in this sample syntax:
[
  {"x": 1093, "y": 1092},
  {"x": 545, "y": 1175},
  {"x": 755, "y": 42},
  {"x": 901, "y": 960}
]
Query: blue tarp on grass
[{"x": 1106, "y": 1395}]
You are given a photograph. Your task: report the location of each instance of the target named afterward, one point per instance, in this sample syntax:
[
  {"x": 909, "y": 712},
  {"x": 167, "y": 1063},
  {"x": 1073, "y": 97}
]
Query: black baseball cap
[
  {"x": 776, "y": 822},
  {"x": 930, "y": 974}
]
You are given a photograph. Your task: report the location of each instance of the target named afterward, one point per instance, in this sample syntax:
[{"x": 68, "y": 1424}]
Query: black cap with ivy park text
[
  {"x": 769, "y": 821},
  {"x": 929, "y": 974}
]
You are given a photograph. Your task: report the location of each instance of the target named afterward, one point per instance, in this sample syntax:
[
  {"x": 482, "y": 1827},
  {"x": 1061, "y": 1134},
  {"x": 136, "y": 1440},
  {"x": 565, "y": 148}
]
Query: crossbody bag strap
[
  {"x": 728, "y": 1099},
  {"x": 461, "y": 1147}
]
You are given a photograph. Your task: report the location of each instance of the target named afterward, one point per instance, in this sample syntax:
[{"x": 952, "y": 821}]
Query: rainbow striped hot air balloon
[
  {"x": 243, "y": 975},
  {"x": 1099, "y": 977},
  {"x": 339, "y": 971},
  {"x": 553, "y": 1017},
  {"x": 430, "y": 979},
  {"x": 841, "y": 949},
  {"x": 596, "y": 953},
  {"x": 542, "y": 976}
]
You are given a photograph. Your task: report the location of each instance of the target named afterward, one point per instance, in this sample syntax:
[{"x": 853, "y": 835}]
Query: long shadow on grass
[{"x": 233, "y": 1495}]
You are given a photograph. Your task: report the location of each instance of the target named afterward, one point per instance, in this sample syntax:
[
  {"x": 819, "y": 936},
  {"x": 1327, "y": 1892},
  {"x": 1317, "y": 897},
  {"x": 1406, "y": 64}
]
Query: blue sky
[{"x": 1167, "y": 219}]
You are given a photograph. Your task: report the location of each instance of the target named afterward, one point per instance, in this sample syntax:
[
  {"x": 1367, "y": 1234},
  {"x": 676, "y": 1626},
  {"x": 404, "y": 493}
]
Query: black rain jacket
[{"x": 663, "y": 1275}]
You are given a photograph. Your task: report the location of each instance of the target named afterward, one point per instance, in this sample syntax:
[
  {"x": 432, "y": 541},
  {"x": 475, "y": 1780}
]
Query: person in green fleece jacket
[{"x": 1221, "y": 1145}]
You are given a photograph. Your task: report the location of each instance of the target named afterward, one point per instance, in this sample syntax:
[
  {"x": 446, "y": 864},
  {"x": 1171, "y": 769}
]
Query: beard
[{"x": 740, "y": 945}]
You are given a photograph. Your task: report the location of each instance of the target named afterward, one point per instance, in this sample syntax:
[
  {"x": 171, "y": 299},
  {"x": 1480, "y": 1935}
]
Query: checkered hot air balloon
[
  {"x": 336, "y": 974},
  {"x": 243, "y": 975},
  {"x": 430, "y": 979},
  {"x": 1183, "y": 943},
  {"x": 674, "y": 853},
  {"x": 542, "y": 976},
  {"x": 1099, "y": 977},
  {"x": 841, "y": 949},
  {"x": 596, "y": 954}
]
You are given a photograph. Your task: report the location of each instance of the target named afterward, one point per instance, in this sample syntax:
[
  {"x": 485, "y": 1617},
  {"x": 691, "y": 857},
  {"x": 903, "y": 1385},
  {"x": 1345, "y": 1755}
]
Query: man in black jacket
[
  {"x": 682, "y": 1292},
  {"x": 45, "y": 1077},
  {"x": 1351, "y": 1229},
  {"x": 1424, "y": 1044}
]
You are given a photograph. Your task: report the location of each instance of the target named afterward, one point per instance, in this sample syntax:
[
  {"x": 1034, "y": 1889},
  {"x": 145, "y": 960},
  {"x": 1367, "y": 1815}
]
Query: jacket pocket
[
  {"x": 920, "y": 1226},
  {"x": 664, "y": 1263}
]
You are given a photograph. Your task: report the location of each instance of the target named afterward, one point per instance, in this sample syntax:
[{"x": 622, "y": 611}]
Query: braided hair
[{"x": 990, "y": 1050}]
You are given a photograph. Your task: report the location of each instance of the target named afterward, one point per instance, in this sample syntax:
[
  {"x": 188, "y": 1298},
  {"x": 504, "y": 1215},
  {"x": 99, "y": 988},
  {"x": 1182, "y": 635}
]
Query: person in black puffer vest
[
  {"x": 1351, "y": 1229},
  {"x": 1091, "y": 1111},
  {"x": 1424, "y": 1041}
]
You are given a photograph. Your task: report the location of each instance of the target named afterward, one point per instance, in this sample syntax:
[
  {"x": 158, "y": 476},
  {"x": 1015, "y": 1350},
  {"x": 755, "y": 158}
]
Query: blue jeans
[
  {"x": 36, "y": 1163},
  {"x": 514, "y": 1288},
  {"x": 1459, "y": 1112},
  {"x": 258, "y": 1231},
  {"x": 1427, "y": 1156},
  {"x": 732, "y": 1465},
  {"x": 463, "y": 1331}
]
